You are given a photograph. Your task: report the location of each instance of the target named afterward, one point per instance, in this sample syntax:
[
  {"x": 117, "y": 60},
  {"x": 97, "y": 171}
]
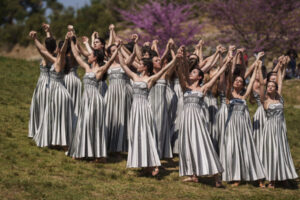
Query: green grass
[{"x": 29, "y": 172}]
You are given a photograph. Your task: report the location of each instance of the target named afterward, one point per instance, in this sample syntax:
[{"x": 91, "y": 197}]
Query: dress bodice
[
  {"x": 257, "y": 98},
  {"x": 161, "y": 82},
  {"x": 222, "y": 98},
  {"x": 237, "y": 105},
  {"x": 140, "y": 89},
  {"x": 117, "y": 73},
  {"x": 73, "y": 69},
  {"x": 44, "y": 70},
  {"x": 57, "y": 76},
  {"x": 193, "y": 97},
  {"x": 275, "y": 110},
  {"x": 90, "y": 79}
]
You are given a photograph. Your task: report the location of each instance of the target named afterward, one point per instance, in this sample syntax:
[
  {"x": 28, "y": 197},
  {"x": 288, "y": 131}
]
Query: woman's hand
[{"x": 32, "y": 34}]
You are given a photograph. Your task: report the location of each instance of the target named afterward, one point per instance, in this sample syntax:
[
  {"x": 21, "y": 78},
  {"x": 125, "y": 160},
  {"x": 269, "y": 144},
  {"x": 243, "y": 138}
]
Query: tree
[
  {"x": 164, "y": 20},
  {"x": 270, "y": 25}
]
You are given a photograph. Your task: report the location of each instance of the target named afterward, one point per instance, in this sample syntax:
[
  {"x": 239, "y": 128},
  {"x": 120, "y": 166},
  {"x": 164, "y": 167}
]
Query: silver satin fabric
[
  {"x": 89, "y": 140},
  {"x": 118, "y": 103},
  {"x": 58, "y": 122},
  {"x": 73, "y": 85},
  {"x": 161, "y": 118},
  {"x": 39, "y": 101},
  {"x": 212, "y": 106},
  {"x": 238, "y": 153},
  {"x": 142, "y": 150},
  {"x": 217, "y": 134},
  {"x": 179, "y": 107},
  {"x": 259, "y": 119},
  {"x": 197, "y": 155},
  {"x": 102, "y": 87},
  {"x": 275, "y": 151}
]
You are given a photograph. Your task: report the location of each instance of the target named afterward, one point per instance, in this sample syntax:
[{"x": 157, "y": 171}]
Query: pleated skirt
[
  {"x": 38, "y": 103},
  {"x": 118, "y": 103},
  {"x": 159, "y": 107},
  {"x": 179, "y": 107},
  {"x": 89, "y": 140},
  {"x": 58, "y": 121},
  {"x": 275, "y": 151},
  {"x": 102, "y": 87},
  {"x": 217, "y": 135},
  {"x": 259, "y": 119},
  {"x": 197, "y": 155},
  {"x": 73, "y": 84},
  {"x": 142, "y": 149},
  {"x": 238, "y": 152}
]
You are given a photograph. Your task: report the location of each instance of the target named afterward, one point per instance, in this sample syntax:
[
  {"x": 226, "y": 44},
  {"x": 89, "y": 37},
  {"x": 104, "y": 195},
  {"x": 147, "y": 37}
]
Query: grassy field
[{"x": 29, "y": 172}]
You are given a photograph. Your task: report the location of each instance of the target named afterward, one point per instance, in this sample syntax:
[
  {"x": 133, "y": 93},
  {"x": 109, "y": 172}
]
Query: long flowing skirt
[
  {"x": 275, "y": 151},
  {"x": 238, "y": 153},
  {"x": 259, "y": 119},
  {"x": 179, "y": 107},
  {"x": 142, "y": 151},
  {"x": 38, "y": 104},
  {"x": 89, "y": 140},
  {"x": 102, "y": 87},
  {"x": 197, "y": 155},
  {"x": 161, "y": 119},
  {"x": 58, "y": 121},
  {"x": 74, "y": 87},
  {"x": 118, "y": 103}
]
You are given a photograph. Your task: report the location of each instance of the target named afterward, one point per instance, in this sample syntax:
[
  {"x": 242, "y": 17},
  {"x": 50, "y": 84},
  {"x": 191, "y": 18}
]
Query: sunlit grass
[{"x": 29, "y": 172}]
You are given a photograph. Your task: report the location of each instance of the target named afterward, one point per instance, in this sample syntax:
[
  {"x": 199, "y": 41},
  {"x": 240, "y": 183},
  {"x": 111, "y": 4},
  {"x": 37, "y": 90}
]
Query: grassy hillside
[{"x": 29, "y": 172}]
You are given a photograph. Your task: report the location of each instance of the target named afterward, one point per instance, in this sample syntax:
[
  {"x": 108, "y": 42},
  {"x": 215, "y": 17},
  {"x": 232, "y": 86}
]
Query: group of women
[{"x": 153, "y": 106}]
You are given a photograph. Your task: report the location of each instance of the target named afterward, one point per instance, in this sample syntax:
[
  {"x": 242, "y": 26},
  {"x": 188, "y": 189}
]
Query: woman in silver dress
[
  {"x": 41, "y": 91},
  {"x": 275, "y": 151},
  {"x": 89, "y": 140},
  {"x": 57, "y": 126},
  {"x": 142, "y": 150},
  {"x": 238, "y": 153},
  {"x": 197, "y": 156}
]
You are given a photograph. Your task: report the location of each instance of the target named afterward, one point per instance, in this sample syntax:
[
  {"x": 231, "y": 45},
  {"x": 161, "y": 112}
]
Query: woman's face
[
  {"x": 271, "y": 88},
  {"x": 113, "y": 49},
  {"x": 238, "y": 83},
  {"x": 156, "y": 62},
  {"x": 141, "y": 68},
  {"x": 98, "y": 44},
  {"x": 273, "y": 78},
  {"x": 194, "y": 75}
]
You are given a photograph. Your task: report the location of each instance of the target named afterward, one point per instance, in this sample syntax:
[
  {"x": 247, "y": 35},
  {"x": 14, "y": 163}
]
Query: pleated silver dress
[
  {"x": 58, "y": 122},
  {"x": 118, "y": 100},
  {"x": 217, "y": 135},
  {"x": 197, "y": 155},
  {"x": 212, "y": 105},
  {"x": 89, "y": 140},
  {"x": 179, "y": 107},
  {"x": 259, "y": 119},
  {"x": 102, "y": 87},
  {"x": 238, "y": 153},
  {"x": 276, "y": 156},
  {"x": 74, "y": 87},
  {"x": 39, "y": 101},
  {"x": 172, "y": 105},
  {"x": 161, "y": 118},
  {"x": 142, "y": 149}
]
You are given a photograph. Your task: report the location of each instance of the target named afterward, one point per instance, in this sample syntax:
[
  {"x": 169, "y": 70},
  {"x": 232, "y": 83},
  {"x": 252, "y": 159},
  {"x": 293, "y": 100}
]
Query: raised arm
[
  {"x": 169, "y": 46},
  {"x": 279, "y": 79},
  {"x": 208, "y": 85},
  {"x": 60, "y": 61},
  {"x": 47, "y": 30},
  {"x": 110, "y": 61},
  {"x": 261, "y": 81},
  {"x": 250, "y": 85},
  {"x": 156, "y": 76},
  {"x": 199, "y": 51},
  {"x": 251, "y": 68},
  {"x": 154, "y": 47},
  {"x": 42, "y": 50},
  {"x": 78, "y": 58},
  {"x": 89, "y": 50},
  {"x": 127, "y": 70},
  {"x": 213, "y": 59}
]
